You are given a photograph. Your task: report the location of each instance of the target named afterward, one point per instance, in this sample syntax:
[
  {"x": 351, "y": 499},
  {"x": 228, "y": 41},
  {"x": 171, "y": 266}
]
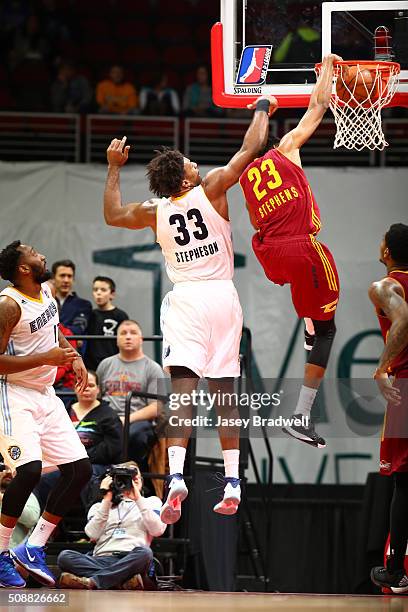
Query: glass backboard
[{"x": 272, "y": 46}]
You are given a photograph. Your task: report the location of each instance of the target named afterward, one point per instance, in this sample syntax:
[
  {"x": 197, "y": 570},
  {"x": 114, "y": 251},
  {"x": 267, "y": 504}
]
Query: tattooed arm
[
  {"x": 387, "y": 296},
  {"x": 132, "y": 216}
]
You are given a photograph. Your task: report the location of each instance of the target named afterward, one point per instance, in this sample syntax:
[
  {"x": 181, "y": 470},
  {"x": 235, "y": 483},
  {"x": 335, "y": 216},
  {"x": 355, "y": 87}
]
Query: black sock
[{"x": 399, "y": 521}]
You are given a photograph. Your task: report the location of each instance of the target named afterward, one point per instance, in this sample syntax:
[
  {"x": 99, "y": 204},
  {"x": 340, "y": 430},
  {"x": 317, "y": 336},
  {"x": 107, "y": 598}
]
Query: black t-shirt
[
  {"x": 102, "y": 323},
  {"x": 101, "y": 433}
]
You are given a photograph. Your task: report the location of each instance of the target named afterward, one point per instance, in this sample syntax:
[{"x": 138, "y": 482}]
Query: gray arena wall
[{"x": 58, "y": 209}]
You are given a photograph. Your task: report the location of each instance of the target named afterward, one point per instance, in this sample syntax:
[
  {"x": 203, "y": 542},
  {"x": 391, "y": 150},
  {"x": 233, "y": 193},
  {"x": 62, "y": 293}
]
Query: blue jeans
[{"x": 107, "y": 571}]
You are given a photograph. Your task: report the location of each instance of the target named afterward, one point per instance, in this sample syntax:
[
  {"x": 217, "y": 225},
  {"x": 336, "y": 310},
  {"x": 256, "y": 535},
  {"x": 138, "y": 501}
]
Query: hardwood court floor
[{"x": 132, "y": 601}]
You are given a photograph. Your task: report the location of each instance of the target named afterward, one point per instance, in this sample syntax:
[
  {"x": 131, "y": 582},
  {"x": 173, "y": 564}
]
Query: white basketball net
[{"x": 358, "y": 120}]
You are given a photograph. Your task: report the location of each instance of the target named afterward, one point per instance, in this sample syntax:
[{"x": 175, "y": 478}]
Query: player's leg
[
  {"x": 185, "y": 331},
  {"x": 399, "y": 523},
  {"x": 319, "y": 355},
  {"x": 315, "y": 294},
  {"x": 61, "y": 446},
  {"x": 31, "y": 554},
  {"x": 222, "y": 368},
  {"x": 14, "y": 500},
  {"x": 309, "y": 334},
  {"x": 394, "y": 460},
  {"x": 183, "y": 383},
  {"x": 315, "y": 369},
  {"x": 226, "y": 408},
  {"x": 21, "y": 451},
  {"x": 393, "y": 574}
]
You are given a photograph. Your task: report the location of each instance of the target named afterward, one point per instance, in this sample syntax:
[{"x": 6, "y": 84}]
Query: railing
[
  {"x": 59, "y": 137},
  {"x": 40, "y": 136},
  {"x": 214, "y": 141},
  {"x": 144, "y": 133}
]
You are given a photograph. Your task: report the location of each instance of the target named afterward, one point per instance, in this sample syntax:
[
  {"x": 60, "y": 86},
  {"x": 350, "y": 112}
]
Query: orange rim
[
  {"x": 367, "y": 64},
  {"x": 387, "y": 69}
]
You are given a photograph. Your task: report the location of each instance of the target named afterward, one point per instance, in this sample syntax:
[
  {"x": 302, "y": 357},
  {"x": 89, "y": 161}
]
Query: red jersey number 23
[{"x": 268, "y": 169}]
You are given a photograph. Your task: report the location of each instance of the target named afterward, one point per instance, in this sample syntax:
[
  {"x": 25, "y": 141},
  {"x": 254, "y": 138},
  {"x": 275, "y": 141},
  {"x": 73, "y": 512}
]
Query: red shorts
[
  {"x": 309, "y": 268},
  {"x": 394, "y": 439}
]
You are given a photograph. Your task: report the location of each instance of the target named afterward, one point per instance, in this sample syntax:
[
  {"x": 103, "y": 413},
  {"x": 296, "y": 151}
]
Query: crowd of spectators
[
  {"x": 122, "y": 556},
  {"x": 121, "y": 528},
  {"x": 62, "y": 59},
  {"x": 116, "y": 365}
]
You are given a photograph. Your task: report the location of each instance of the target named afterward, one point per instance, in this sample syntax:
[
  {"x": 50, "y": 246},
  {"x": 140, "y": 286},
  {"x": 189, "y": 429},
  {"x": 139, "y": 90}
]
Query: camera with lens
[{"x": 122, "y": 480}]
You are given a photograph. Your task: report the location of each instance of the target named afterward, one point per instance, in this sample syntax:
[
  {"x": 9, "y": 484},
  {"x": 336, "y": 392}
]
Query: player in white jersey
[
  {"x": 35, "y": 430},
  {"x": 201, "y": 317}
]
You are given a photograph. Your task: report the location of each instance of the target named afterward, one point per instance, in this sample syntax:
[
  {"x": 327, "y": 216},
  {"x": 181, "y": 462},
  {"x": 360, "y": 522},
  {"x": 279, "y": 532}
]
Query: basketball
[{"x": 355, "y": 84}]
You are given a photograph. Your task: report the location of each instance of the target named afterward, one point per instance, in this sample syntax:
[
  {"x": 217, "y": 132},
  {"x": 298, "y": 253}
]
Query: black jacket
[{"x": 75, "y": 313}]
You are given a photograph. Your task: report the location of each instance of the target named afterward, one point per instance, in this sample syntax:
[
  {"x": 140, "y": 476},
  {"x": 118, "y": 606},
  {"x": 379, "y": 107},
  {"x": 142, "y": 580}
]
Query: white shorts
[
  {"x": 35, "y": 426},
  {"x": 201, "y": 322}
]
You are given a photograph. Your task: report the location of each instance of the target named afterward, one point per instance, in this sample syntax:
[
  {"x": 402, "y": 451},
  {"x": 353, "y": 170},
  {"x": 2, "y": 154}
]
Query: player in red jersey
[
  {"x": 284, "y": 212},
  {"x": 390, "y": 298}
]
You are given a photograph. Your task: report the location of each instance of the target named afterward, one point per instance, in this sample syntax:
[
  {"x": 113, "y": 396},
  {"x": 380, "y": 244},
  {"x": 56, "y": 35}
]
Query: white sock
[
  {"x": 177, "y": 455},
  {"x": 5, "y": 536},
  {"x": 231, "y": 462},
  {"x": 305, "y": 402},
  {"x": 41, "y": 533}
]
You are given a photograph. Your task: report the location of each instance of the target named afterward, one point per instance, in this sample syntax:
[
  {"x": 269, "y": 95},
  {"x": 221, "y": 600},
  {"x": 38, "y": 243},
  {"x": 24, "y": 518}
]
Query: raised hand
[
  {"x": 136, "y": 491},
  {"x": 273, "y": 104},
  {"x": 117, "y": 153},
  {"x": 105, "y": 486},
  {"x": 332, "y": 57}
]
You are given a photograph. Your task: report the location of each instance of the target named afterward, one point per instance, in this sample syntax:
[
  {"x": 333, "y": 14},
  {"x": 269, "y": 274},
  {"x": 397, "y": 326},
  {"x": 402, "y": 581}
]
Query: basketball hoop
[{"x": 361, "y": 90}]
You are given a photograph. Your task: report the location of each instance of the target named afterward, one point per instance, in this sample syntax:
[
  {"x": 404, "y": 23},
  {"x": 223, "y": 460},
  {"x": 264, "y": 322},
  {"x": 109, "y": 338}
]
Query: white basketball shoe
[
  {"x": 232, "y": 496},
  {"x": 176, "y": 492}
]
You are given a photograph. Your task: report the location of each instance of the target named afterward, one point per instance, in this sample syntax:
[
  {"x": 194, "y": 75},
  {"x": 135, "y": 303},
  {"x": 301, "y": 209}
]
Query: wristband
[{"x": 262, "y": 105}]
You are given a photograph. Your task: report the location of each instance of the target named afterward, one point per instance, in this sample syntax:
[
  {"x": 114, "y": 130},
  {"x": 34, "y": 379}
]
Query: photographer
[{"x": 122, "y": 527}]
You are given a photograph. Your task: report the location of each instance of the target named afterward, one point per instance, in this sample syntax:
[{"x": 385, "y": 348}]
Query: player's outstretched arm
[
  {"x": 387, "y": 296},
  {"x": 219, "y": 180},
  {"x": 132, "y": 216},
  {"x": 319, "y": 103}
]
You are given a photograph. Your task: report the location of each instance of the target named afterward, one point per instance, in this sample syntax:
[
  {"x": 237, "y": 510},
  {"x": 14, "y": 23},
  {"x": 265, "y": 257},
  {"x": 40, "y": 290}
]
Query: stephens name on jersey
[{"x": 279, "y": 197}]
